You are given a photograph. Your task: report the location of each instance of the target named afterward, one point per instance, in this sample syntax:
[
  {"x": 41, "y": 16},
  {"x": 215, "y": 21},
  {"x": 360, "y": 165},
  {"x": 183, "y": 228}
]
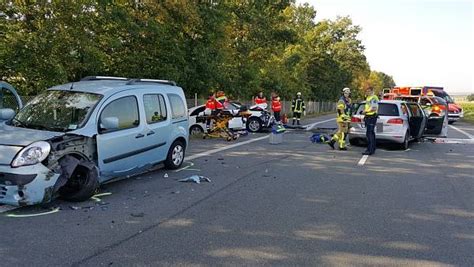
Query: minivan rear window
[{"x": 386, "y": 109}]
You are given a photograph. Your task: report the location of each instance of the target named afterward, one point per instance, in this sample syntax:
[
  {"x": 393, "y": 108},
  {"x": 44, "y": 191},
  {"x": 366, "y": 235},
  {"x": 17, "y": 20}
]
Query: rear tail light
[
  {"x": 395, "y": 121},
  {"x": 355, "y": 119}
]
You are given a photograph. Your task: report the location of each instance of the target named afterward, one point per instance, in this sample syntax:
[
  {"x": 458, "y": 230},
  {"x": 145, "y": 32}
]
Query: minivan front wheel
[
  {"x": 82, "y": 184},
  {"x": 175, "y": 157}
]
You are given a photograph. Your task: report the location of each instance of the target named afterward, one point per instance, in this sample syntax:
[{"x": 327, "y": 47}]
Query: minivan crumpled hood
[{"x": 18, "y": 136}]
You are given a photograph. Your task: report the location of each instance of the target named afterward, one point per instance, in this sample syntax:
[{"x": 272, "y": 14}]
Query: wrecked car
[{"x": 75, "y": 136}]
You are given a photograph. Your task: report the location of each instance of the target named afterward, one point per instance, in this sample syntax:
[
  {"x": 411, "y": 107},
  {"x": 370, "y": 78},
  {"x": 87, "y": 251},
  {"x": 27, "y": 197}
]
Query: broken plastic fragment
[{"x": 195, "y": 179}]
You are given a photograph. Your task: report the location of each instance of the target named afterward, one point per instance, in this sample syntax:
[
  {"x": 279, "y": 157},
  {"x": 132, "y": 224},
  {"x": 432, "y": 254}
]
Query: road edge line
[
  {"x": 210, "y": 152},
  {"x": 462, "y": 131},
  {"x": 311, "y": 126}
]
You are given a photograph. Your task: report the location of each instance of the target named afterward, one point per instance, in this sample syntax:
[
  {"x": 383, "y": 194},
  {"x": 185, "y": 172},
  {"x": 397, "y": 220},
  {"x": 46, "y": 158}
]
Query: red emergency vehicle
[{"x": 455, "y": 111}]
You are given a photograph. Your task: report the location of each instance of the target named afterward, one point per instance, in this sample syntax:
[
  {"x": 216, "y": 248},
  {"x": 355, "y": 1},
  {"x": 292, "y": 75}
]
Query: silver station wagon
[{"x": 75, "y": 136}]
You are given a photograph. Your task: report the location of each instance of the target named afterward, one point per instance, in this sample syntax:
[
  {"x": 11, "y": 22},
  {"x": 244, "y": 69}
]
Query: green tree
[{"x": 470, "y": 97}]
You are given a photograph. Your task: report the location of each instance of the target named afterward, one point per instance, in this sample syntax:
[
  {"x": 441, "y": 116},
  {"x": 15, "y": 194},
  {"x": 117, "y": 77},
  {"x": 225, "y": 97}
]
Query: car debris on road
[{"x": 195, "y": 179}]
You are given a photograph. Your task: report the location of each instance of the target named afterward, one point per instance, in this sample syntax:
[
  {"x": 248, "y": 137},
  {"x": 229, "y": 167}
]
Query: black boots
[{"x": 331, "y": 143}]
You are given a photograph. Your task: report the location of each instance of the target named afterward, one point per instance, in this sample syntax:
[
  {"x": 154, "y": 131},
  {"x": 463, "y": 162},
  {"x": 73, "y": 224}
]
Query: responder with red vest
[
  {"x": 211, "y": 110},
  {"x": 276, "y": 107},
  {"x": 260, "y": 99}
]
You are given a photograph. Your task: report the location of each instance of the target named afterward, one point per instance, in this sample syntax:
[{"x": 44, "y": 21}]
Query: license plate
[{"x": 379, "y": 127}]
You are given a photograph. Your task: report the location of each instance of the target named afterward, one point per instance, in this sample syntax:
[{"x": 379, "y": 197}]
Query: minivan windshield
[
  {"x": 444, "y": 96},
  {"x": 59, "y": 111}
]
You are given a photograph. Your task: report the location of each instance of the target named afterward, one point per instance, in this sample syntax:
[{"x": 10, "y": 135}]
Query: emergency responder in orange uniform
[
  {"x": 276, "y": 107},
  {"x": 260, "y": 99},
  {"x": 210, "y": 110},
  {"x": 343, "y": 119}
]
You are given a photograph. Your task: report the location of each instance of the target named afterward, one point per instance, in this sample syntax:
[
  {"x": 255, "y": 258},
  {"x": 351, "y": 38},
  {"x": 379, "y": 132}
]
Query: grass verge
[{"x": 468, "y": 108}]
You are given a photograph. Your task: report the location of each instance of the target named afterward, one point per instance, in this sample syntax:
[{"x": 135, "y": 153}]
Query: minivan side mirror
[
  {"x": 6, "y": 114},
  {"x": 110, "y": 123}
]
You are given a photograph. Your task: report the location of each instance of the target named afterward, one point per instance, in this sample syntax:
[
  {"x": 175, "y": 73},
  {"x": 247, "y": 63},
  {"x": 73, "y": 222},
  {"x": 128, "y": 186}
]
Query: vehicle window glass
[
  {"x": 178, "y": 109},
  {"x": 8, "y": 100},
  {"x": 60, "y": 111},
  {"x": 439, "y": 100},
  {"x": 125, "y": 109},
  {"x": 425, "y": 101},
  {"x": 386, "y": 109},
  {"x": 155, "y": 108},
  {"x": 197, "y": 111},
  {"x": 415, "y": 110}
]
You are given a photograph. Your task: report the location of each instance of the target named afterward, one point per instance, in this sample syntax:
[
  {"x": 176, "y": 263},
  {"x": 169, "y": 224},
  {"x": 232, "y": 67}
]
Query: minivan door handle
[
  {"x": 150, "y": 133},
  {"x": 139, "y": 136}
]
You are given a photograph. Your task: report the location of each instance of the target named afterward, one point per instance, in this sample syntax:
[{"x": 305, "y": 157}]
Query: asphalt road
[{"x": 295, "y": 203}]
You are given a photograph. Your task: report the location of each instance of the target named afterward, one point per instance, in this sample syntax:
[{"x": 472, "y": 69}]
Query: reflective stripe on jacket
[
  {"x": 297, "y": 105},
  {"x": 371, "y": 105},
  {"x": 343, "y": 110}
]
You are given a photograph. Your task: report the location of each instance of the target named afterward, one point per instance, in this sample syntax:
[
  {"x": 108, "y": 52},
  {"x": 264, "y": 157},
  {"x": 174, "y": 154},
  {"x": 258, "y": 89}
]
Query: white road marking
[
  {"x": 5, "y": 208},
  {"x": 363, "y": 160},
  {"x": 210, "y": 152},
  {"x": 311, "y": 126},
  {"x": 463, "y": 132}
]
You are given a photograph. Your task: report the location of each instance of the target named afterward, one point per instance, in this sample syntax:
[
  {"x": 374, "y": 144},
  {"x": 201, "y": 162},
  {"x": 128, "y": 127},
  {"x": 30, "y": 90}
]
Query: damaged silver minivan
[{"x": 75, "y": 136}]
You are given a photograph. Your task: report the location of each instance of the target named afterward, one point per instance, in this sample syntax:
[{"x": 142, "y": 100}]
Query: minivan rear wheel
[
  {"x": 405, "y": 144},
  {"x": 175, "y": 157}
]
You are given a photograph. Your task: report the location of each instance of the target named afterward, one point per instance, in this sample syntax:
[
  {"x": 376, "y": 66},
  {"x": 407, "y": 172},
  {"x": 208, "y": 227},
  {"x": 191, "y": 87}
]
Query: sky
[{"x": 418, "y": 42}]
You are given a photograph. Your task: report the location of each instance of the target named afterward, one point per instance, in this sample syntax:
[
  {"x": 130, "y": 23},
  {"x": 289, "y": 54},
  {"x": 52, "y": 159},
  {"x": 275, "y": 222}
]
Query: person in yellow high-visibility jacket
[
  {"x": 343, "y": 119},
  {"x": 370, "y": 111}
]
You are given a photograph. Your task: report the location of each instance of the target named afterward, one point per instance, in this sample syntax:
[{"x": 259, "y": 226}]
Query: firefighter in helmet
[
  {"x": 343, "y": 119},
  {"x": 297, "y": 106}
]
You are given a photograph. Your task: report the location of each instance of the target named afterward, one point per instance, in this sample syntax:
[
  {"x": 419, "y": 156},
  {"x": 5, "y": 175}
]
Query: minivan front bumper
[{"x": 27, "y": 185}]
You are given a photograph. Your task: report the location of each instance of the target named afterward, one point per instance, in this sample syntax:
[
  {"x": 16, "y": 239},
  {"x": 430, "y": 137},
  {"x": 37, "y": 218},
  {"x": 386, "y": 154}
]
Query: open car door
[
  {"x": 417, "y": 120},
  {"x": 9, "y": 100}
]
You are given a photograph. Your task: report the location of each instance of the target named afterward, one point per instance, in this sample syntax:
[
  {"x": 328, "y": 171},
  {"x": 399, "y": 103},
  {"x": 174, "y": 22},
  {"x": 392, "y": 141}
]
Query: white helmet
[
  {"x": 346, "y": 90},
  {"x": 298, "y": 94}
]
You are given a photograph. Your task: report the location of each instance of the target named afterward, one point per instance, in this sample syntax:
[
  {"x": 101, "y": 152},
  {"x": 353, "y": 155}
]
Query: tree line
[{"x": 241, "y": 47}]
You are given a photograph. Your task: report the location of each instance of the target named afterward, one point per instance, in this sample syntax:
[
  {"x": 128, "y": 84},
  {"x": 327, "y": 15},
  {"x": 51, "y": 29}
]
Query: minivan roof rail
[
  {"x": 96, "y": 78},
  {"x": 134, "y": 81}
]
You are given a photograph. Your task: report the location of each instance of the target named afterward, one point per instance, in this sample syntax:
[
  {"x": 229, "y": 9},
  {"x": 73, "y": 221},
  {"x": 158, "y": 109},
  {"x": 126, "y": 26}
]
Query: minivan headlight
[{"x": 32, "y": 154}]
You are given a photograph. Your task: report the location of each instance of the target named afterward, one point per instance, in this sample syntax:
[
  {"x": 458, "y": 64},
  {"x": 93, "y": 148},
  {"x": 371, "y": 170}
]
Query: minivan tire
[
  {"x": 405, "y": 144},
  {"x": 82, "y": 184},
  {"x": 175, "y": 157}
]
